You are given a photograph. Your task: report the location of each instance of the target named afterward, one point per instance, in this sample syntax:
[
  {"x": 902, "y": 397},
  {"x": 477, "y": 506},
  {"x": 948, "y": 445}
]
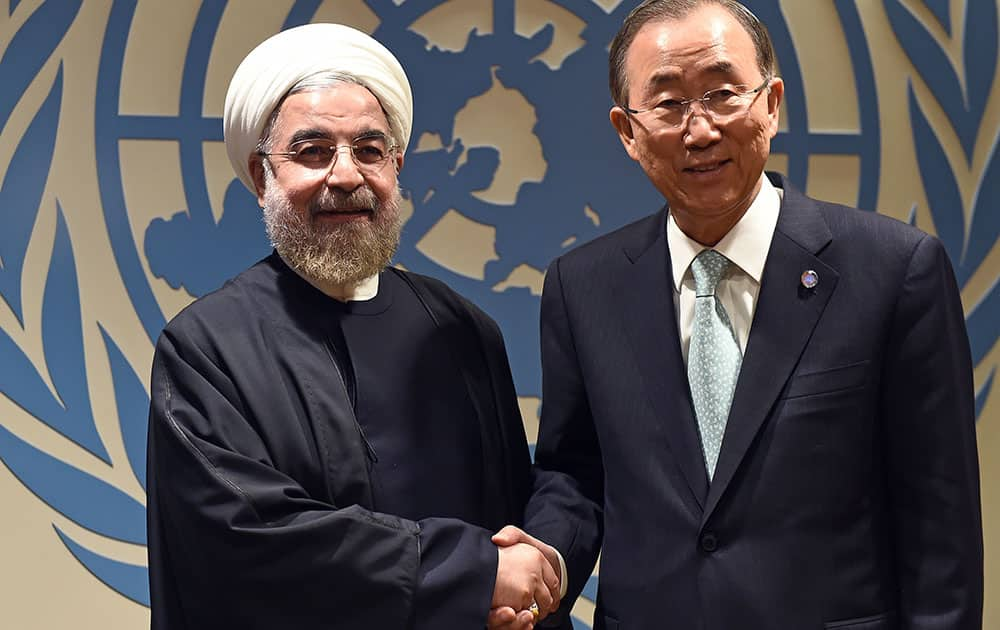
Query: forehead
[
  {"x": 341, "y": 110},
  {"x": 709, "y": 41}
]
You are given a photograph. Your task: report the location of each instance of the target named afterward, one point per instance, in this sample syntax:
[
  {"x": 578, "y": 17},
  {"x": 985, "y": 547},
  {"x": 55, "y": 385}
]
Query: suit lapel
[
  {"x": 783, "y": 323},
  {"x": 651, "y": 322}
]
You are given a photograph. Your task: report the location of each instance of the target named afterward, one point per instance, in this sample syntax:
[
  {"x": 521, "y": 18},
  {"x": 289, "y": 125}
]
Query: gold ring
[{"x": 534, "y": 609}]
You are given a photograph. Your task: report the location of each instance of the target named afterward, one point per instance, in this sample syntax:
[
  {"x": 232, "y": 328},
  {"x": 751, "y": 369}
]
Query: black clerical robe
[{"x": 262, "y": 511}]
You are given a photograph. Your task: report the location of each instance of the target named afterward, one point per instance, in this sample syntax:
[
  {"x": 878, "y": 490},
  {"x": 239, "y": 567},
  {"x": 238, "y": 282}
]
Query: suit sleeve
[
  {"x": 565, "y": 509},
  {"x": 932, "y": 461},
  {"x": 236, "y": 543}
]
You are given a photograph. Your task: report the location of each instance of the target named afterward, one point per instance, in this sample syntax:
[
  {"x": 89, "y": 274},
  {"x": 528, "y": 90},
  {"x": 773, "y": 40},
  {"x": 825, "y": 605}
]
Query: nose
[
  {"x": 343, "y": 173},
  {"x": 700, "y": 129}
]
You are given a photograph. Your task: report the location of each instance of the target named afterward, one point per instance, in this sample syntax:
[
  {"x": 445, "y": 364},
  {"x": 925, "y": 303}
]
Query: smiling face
[
  {"x": 708, "y": 169},
  {"x": 339, "y": 224}
]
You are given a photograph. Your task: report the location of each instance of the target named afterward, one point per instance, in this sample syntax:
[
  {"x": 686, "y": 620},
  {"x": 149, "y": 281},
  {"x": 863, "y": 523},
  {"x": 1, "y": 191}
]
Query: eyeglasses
[
  {"x": 319, "y": 154},
  {"x": 719, "y": 104}
]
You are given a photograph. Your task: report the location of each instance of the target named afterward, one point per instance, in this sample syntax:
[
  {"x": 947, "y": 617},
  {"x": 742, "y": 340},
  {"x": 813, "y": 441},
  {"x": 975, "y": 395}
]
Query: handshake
[{"x": 528, "y": 584}]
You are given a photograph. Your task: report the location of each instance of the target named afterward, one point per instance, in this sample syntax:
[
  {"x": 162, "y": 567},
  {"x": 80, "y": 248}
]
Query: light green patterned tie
[{"x": 714, "y": 356}]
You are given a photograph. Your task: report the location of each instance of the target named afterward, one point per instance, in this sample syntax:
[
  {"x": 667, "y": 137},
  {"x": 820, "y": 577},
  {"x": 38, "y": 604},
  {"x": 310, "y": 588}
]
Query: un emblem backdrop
[{"x": 118, "y": 207}]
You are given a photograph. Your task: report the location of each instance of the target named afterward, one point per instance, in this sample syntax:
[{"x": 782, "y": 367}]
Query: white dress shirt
[{"x": 746, "y": 245}]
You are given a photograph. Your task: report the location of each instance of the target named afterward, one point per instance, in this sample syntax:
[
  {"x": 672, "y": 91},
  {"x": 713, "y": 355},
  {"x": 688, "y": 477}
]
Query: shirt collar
[
  {"x": 746, "y": 244},
  {"x": 360, "y": 292}
]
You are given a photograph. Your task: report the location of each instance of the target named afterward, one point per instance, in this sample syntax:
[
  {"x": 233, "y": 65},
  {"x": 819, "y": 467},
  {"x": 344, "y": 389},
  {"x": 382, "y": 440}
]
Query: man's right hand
[{"x": 524, "y": 576}]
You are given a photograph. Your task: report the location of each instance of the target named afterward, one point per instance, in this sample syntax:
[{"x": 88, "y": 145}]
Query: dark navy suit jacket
[{"x": 847, "y": 489}]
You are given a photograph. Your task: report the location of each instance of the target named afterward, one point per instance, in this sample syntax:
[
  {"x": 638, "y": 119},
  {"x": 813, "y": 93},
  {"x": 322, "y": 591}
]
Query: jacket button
[{"x": 709, "y": 542}]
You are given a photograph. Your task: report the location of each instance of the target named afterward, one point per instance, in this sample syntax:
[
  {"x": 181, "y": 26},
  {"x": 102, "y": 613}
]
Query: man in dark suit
[{"x": 769, "y": 398}]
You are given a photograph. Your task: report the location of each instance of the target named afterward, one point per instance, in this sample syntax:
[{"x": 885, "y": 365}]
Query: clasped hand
[{"x": 527, "y": 571}]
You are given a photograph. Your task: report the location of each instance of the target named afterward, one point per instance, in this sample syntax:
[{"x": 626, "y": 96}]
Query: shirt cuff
[{"x": 563, "y": 582}]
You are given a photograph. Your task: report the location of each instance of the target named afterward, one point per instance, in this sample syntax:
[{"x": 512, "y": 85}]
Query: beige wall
[{"x": 41, "y": 584}]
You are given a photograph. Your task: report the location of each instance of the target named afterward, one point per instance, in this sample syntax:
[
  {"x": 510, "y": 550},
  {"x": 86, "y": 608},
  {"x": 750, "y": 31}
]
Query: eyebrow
[
  {"x": 719, "y": 67},
  {"x": 671, "y": 75},
  {"x": 315, "y": 133},
  {"x": 370, "y": 134},
  {"x": 311, "y": 133}
]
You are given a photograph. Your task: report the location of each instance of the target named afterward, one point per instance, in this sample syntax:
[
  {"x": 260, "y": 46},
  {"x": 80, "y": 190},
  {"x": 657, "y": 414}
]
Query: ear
[
  {"x": 775, "y": 95},
  {"x": 256, "y": 166},
  {"x": 399, "y": 161},
  {"x": 622, "y": 123}
]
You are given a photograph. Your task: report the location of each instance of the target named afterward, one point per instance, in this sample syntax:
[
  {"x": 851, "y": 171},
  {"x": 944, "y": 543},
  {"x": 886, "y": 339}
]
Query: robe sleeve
[
  {"x": 515, "y": 476},
  {"x": 234, "y": 542}
]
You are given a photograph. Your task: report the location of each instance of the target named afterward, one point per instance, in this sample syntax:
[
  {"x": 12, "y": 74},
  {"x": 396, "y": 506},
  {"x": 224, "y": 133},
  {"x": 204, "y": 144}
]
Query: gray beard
[{"x": 341, "y": 255}]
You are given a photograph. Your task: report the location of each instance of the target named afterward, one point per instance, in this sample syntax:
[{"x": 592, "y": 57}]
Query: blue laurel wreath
[
  {"x": 967, "y": 242},
  {"x": 82, "y": 498}
]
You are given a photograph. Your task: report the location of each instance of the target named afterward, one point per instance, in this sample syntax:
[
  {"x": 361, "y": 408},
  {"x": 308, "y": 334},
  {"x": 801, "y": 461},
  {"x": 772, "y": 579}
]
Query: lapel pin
[{"x": 810, "y": 279}]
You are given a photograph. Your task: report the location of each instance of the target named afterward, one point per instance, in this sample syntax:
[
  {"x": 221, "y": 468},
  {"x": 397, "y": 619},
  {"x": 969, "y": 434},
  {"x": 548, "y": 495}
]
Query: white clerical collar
[
  {"x": 360, "y": 292},
  {"x": 746, "y": 244}
]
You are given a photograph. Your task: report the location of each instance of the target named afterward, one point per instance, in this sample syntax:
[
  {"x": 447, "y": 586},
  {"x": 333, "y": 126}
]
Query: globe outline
[{"x": 511, "y": 308}]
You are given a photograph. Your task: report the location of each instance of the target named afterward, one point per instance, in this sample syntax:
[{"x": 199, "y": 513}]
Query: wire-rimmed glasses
[
  {"x": 719, "y": 104},
  {"x": 369, "y": 153}
]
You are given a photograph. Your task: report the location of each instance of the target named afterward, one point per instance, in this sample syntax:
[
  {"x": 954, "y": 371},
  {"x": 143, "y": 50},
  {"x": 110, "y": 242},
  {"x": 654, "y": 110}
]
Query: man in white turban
[{"x": 333, "y": 441}]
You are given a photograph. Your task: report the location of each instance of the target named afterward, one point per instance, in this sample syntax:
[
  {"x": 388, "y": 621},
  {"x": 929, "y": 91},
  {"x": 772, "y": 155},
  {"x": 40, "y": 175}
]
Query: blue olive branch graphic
[
  {"x": 970, "y": 236},
  {"x": 23, "y": 184},
  {"x": 941, "y": 11},
  {"x": 31, "y": 47},
  {"x": 83, "y": 498},
  {"x": 132, "y": 401},
  {"x": 88, "y": 501},
  {"x": 964, "y": 102},
  {"x": 67, "y": 410},
  {"x": 129, "y": 580},
  {"x": 22, "y": 189}
]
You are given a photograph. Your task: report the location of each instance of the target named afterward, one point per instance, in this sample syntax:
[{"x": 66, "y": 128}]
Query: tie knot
[{"x": 707, "y": 268}]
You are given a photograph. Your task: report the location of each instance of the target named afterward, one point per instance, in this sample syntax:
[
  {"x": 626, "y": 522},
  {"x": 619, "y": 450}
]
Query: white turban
[{"x": 271, "y": 69}]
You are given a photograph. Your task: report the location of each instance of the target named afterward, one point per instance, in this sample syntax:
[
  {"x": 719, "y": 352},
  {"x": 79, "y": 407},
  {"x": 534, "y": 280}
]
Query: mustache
[{"x": 332, "y": 200}]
